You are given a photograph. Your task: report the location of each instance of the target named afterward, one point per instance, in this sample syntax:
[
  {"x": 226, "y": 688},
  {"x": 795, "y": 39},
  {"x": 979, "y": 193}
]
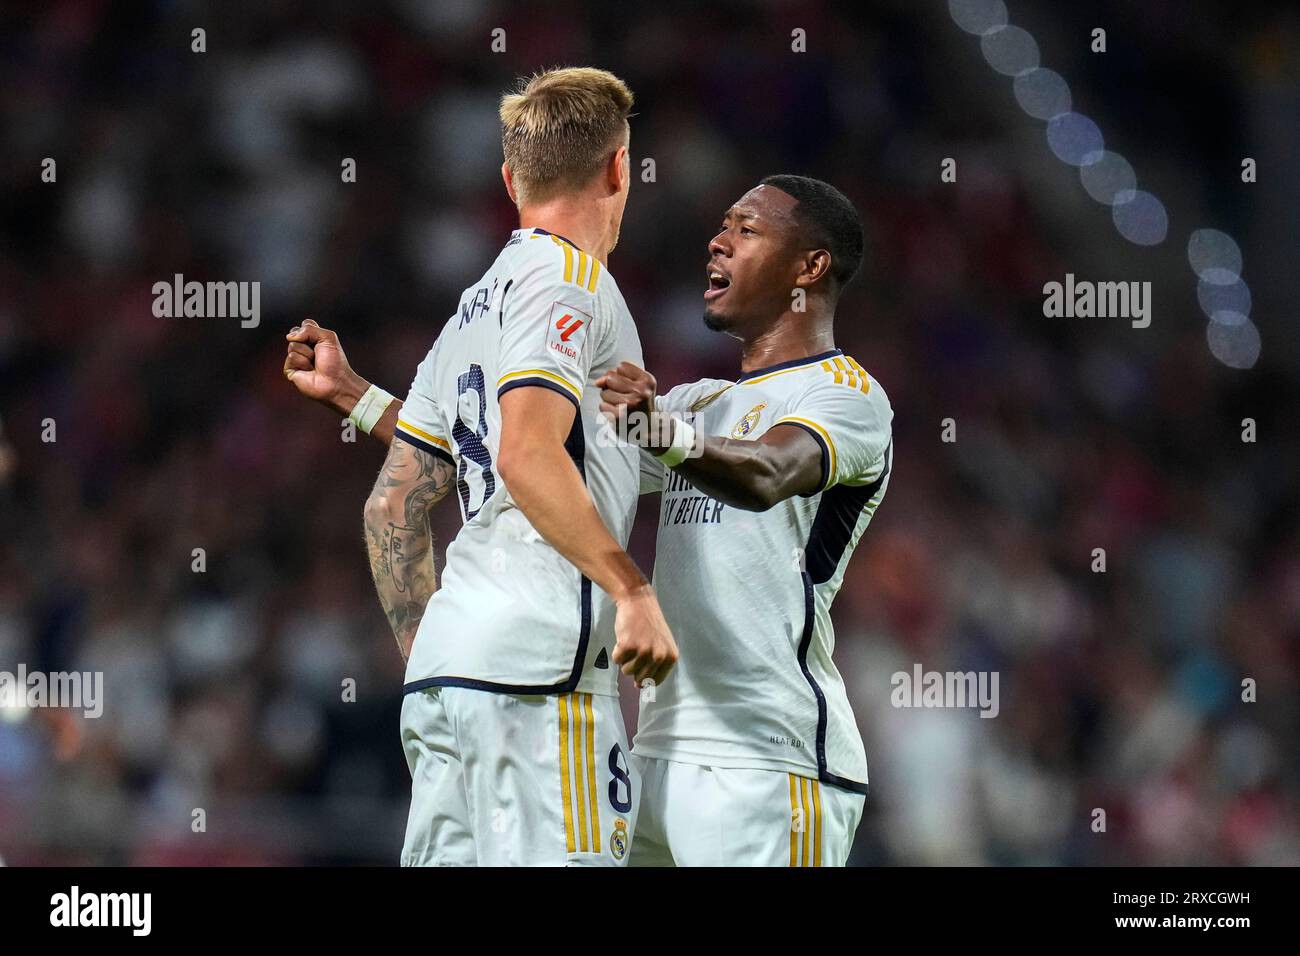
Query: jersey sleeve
[
  {"x": 653, "y": 473},
  {"x": 421, "y": 422},
  {"x": 549, "y": 321},
  {"x": 852, "y": 424}
]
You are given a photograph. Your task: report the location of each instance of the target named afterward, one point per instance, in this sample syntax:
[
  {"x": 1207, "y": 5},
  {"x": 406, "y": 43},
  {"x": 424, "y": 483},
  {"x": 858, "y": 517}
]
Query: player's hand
[
  {"x": 627, "y": 388},
  {"x": 317, "y": 367},
  {"x": 644, "y": 648},
  {"x": 627, "y": 398}
]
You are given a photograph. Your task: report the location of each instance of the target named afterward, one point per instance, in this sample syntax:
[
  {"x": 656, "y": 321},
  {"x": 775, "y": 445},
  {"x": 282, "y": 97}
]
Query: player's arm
[
  {"x": 749, "y": 475},
  {"x": 398, "y": 539},
  {"x": 317, "y": 367},
  {"x": 539, "y": 473}
]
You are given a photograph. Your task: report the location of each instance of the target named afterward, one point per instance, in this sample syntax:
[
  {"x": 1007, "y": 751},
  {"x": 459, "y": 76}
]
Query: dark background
[{"x": 1119, "y": 691}]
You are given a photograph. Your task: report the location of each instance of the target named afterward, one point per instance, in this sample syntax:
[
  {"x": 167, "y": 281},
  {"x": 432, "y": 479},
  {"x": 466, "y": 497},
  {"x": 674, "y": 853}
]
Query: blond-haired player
[
  {"x": 751, "y": 755},
  {"x": 511, "y": 723}
]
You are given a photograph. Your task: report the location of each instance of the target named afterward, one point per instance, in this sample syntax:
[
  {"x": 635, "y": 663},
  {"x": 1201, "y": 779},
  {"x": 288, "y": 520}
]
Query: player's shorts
[
  {"x": 693, "y": 815},
  {"x": 503, "y": 780}
]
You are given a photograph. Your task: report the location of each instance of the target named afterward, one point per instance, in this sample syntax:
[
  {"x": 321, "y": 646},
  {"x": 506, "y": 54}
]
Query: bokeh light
[
  {"x": 1074, "y": 138},
  {"x": 1236, "y": 344},
  {"x": 1234, "y": 298},
  {"x": 1215, "y": 256},
  {"x": 978, "y": 16},
  {"x": 1010, "y": 50},
  {"x": 1042, "y": 93},
  {"x": 1108, "y": 178},
  {"x": 1142, "y": 219}
]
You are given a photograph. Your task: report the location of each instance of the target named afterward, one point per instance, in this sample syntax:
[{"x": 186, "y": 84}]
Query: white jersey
[
  {"x": 511, "y": 614},
  {"x": 748, "y": 595}
]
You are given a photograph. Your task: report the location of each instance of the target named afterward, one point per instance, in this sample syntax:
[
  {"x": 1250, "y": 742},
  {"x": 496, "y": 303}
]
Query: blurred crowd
[{"x": 193, "y": 530}]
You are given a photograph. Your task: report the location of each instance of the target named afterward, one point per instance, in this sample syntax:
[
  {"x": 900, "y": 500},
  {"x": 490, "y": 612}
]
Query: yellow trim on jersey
[
  {"x": 848, "y": 371},
  {"x": 532, "y": 372},
  {"x": 862, "y": 374},
  {"x": 826, "y": 436},
  {"x": 421, "y": 433},
  {"x": 857, "y": 376},
  {"x": 794, "y": 834},
  {"x": 582, "y": 279},
  {"x": 817, "y": 824},
  {"x": 578, "y": 753},
  {"x": 591, "y": 775},
  {"x": 784, "y": 371},
  {"x": 805, "y": 818},
  {"x": 578, "y": 748},
  {"x": 568, "y": 259},
  {"x": 807, "y": 824},
  {"x": 565, "y": 795}
]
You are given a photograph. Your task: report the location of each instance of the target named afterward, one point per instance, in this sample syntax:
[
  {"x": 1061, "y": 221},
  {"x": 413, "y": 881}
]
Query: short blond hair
[{"x": 559, "y": 127}]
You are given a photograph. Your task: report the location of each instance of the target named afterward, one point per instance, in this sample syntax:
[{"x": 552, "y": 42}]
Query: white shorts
[
  {"x": 693, "y": 815},
  {"x": 504, "y": 780}
]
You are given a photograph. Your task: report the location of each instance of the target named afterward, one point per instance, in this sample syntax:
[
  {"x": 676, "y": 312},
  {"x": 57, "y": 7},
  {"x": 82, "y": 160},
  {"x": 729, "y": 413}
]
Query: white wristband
[
  {"x": 370, "y": 408},
  {"x": 683, "y": 444}
]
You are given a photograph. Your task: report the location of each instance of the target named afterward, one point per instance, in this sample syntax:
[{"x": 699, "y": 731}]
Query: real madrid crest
[
  {"x": 618, "y": 839},
  {"x": 745, "y": 427}
]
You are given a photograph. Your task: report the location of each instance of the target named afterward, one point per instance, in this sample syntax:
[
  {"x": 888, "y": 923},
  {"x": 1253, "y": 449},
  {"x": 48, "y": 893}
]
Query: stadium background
[{"x": 1118, "y": 690}]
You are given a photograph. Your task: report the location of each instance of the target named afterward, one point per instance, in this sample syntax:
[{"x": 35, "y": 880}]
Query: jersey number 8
[{"x": 470, "y": 443}]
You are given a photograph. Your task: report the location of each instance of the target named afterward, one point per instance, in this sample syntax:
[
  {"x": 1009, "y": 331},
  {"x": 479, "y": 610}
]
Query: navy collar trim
[
  {"x": 793, "y": 363},
  {"x": 540, "y": 230}
]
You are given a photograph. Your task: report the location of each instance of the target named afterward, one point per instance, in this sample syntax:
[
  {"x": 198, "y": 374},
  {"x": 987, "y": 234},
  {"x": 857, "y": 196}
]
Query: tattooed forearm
[{"x": 398, "y": 540}]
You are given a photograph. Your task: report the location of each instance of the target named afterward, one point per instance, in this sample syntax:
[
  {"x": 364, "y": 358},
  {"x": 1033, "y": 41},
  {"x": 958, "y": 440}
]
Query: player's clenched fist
[
  {"x": 626, "y": 389},
  {"x": 317, "y": 367},
  {"x": 644, "y": 647}
]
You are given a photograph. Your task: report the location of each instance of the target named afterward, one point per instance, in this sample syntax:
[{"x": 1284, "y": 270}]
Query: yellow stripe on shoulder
[
  {"x": 587, "y": 272},
  {"x": 421, "y": 433},
  {"x": 541, "y": 373},
  {"x": 864, "y": 380},
  {"x": 847, "y": 371}
]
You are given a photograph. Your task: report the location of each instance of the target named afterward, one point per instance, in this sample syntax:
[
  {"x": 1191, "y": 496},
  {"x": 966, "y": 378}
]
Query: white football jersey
[
  {"x": 748, "y": 594},
  {"x": 511, "y": 614}
]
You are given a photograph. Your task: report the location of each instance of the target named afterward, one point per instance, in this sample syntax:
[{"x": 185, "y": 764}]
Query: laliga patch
[{"x": 566, "y": 331}]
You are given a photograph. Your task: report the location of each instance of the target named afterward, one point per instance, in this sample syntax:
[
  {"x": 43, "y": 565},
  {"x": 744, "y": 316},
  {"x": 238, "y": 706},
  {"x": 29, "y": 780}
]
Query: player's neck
[
  {"x": 583, "y": 223},
  {"x": 788, "y": 339}
]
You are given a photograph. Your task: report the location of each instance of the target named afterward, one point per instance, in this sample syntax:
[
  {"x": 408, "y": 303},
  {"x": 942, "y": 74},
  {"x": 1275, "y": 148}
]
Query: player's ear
[
  {"x": 813, "y": 267},
  {"x": 618, "y": 171},
  {"x": 510, "y": 183}
]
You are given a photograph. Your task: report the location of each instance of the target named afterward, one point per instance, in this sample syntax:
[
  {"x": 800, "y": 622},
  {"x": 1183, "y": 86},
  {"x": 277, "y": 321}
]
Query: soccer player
[
  {"x": 750, "y": 755},
  {"x": 511, "y": 722}
]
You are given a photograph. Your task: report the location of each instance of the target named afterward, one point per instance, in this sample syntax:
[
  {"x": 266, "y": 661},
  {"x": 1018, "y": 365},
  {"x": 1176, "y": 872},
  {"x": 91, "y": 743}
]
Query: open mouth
[{"x": 718, "y": 284}]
